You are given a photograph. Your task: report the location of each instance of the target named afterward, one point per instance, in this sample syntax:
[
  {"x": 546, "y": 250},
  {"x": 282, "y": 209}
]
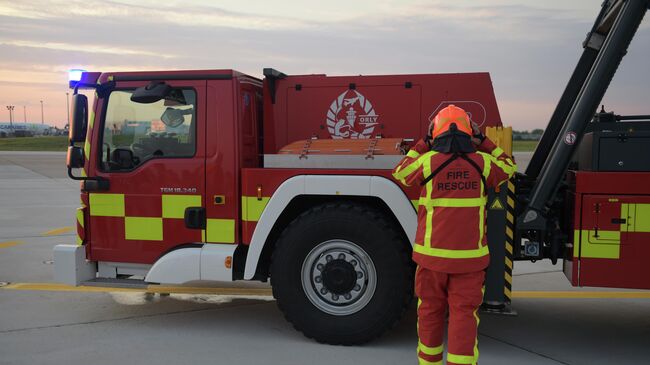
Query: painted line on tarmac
[
  {"x": 148, "y": 289},
  {"x": 214, "y": 291},
  {"x": 583, "y": 294},
  {"x": 57, "y": 231},
  {"x": 268, "y": 292},
  {"x": 7, "y": 244}
]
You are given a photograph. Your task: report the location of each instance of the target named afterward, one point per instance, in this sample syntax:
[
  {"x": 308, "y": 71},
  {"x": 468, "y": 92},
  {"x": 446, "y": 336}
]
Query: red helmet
[{"x": 447, "y": 116}]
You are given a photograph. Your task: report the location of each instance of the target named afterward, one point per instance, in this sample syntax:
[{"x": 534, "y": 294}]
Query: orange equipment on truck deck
[{"x": 368, "y": 147}]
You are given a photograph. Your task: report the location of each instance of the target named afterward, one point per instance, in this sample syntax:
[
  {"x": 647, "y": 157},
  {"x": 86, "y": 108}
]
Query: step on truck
[{"x": 217, "y": 176}]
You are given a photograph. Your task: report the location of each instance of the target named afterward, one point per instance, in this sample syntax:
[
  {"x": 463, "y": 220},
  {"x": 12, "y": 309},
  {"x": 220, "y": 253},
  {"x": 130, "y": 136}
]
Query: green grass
[
  {"x": 44, "y": 143},
  {"x": 524, "y": 146}
]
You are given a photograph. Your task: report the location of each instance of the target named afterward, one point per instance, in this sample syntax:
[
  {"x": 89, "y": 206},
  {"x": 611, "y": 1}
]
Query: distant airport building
[{"x": 25, "y": 129}]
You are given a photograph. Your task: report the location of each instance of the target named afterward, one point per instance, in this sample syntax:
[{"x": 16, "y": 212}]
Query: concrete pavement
[{"x": 37, "y": 203}]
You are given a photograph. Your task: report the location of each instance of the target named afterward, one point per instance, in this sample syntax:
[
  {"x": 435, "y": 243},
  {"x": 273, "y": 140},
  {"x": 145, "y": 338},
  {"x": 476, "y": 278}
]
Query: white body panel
[
  {"x": 374, "y": 186},
  {"x": 193, "y": 264},
  {"x": 213, "y": 259},
  {"x": 176, "y": 267},
  {"x": 71, "y": 266}
]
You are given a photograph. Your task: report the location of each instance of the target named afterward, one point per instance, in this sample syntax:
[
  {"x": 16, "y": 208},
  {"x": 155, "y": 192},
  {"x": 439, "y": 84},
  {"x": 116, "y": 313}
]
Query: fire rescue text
[{"x": 461, "y": 181}]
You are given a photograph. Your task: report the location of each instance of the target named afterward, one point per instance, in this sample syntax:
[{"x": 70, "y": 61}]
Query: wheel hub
[{"x": 339, "y": 276}]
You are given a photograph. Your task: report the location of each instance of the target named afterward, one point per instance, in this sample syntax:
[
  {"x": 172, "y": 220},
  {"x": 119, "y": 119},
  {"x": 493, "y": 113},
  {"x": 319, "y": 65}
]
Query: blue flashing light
[{"x": 74, "y": 75}]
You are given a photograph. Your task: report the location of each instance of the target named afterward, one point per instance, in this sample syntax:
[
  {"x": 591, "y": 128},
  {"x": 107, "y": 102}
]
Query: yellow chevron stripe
[
  {"x": 57, "y": 231},
  {"x": 148, "y": 289},
  {"x": 507, "y": 292},
  {"x": 7, "y": 244}
]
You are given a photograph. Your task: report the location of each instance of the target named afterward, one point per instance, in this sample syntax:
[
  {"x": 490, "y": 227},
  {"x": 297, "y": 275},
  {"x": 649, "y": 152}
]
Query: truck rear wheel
[{"x": 342, "y": 274}]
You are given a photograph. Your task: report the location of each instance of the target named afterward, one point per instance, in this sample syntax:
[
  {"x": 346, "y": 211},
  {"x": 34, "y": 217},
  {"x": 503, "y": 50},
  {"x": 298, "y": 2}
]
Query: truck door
[
  {"x": 153, "y": 156},
  {"x": 223, "y": 159}
]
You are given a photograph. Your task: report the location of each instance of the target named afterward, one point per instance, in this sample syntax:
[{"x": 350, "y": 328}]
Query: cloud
[
  {"x": 21, "y": 10},
  {"x": 530, "y": 51},
  {"x": 86, "y": 48},
  {"x": 174, "y": 14}
]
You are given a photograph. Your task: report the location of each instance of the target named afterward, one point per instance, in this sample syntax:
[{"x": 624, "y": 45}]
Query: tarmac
[{"x": 45, "y": 323}]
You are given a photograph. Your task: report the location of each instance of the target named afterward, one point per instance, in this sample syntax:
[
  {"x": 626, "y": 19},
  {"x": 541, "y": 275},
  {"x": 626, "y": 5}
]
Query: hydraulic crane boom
[
  {"x": 568, "y": 97},
  {"x": 605, "y": 47}
]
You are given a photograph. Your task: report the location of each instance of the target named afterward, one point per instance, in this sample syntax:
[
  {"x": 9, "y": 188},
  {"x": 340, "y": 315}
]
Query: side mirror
[
  {"x": 155, "y": 91},
  {"x": 75, "y": 158},
  {"x": 77, "y": 132}
]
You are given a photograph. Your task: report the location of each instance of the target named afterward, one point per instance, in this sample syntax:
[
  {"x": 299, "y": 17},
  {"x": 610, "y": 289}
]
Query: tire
[{"x": 326, "y": 298}]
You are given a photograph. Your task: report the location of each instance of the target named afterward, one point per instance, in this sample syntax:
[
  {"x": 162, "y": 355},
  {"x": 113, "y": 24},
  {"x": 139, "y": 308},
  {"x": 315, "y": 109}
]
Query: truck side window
[{"x": 136, "y": 132}]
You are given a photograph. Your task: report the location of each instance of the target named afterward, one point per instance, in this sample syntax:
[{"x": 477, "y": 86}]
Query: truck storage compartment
[
  {"x": 613, "y": 150},
  {"x": 366, "y": 107},
  {"x": 615, "y": 143}
]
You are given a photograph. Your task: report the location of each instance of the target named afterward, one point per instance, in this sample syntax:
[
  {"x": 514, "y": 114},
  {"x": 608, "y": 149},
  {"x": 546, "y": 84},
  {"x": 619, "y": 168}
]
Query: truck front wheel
[{"x": 341, "y": 273}]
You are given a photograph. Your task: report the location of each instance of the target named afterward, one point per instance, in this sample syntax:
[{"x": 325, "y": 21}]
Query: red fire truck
[{"x": 218, "y": 176}]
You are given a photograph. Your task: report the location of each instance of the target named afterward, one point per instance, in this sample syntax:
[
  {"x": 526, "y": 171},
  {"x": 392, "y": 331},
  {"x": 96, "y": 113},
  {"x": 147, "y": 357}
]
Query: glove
[
  {"x": 429, "y": 141},
  {"x": 477, "y": 136}
]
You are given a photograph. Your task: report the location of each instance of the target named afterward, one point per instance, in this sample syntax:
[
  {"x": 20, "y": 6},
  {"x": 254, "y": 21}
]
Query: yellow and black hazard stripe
[{"x": 510, "y": 239}]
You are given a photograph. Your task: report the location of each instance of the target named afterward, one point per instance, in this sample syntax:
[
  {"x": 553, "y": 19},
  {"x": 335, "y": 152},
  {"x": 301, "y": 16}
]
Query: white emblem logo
[{"x": 351, "y": 115}]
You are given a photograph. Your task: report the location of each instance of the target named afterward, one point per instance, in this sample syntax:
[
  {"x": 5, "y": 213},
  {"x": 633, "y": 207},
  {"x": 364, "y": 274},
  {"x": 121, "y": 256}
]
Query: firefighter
[{"x": 455, "y": 165}]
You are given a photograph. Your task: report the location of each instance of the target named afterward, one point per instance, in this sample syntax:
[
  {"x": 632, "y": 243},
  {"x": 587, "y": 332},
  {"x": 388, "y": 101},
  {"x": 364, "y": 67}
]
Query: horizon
[{"x": 529, "y": 51}]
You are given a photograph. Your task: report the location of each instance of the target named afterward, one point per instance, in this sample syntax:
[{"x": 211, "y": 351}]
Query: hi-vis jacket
[{"x": 451, "y": 211}]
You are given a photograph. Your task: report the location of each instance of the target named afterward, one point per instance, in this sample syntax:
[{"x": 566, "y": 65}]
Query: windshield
[{"x": 135, "y": 132}]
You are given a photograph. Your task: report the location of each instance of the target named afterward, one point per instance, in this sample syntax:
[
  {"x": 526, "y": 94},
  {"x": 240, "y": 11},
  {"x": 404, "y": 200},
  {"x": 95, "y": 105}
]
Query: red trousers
[{"x": 461, "y": 295}]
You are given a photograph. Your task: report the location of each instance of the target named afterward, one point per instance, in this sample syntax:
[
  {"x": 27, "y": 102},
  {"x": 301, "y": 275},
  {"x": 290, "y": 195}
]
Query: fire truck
[{"x": 216, "y": 176}]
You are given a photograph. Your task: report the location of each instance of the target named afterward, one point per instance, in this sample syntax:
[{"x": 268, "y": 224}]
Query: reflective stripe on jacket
[{"x": 451, "y": 211}]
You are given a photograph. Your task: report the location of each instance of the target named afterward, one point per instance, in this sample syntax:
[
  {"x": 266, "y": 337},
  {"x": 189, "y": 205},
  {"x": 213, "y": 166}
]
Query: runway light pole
[
  {"x": 11, "y": 116},
  {"x": 24, "y": 114},
  {"x": 42, "y": 115},
  {"x": 67, "y": 104}
]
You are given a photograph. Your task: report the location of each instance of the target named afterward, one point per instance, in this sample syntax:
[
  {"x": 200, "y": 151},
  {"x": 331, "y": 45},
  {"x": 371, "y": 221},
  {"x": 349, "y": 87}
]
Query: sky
[{"x": 529, "y": 47}]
